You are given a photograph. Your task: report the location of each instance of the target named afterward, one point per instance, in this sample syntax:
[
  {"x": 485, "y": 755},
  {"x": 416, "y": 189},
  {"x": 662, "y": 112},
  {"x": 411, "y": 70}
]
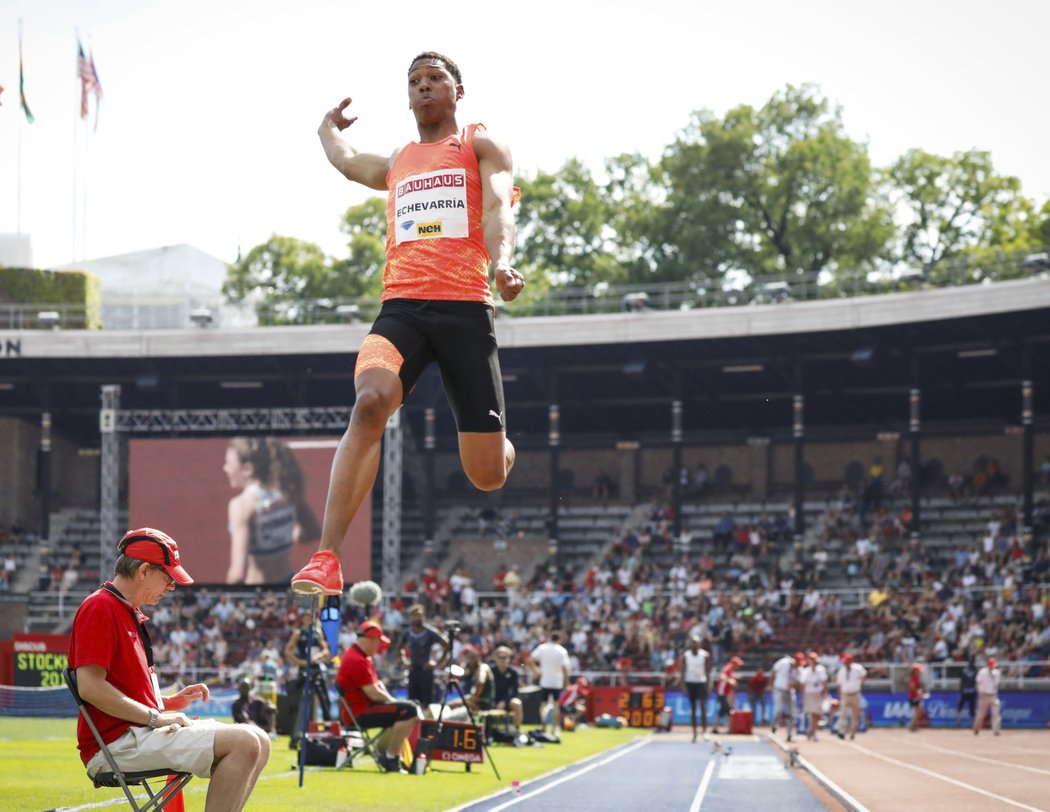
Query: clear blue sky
[{"x": 207, "y": 129}]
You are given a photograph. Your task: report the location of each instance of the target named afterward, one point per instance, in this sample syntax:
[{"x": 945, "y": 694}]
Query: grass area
[{"x": 42, "y": 771}]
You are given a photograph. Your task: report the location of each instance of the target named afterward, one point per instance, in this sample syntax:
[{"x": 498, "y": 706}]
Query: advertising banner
[{"x": 1017, "y": 710}]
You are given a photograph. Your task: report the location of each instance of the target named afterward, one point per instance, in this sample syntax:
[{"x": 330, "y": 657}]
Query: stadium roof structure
[{"x": 614, "y": 376}]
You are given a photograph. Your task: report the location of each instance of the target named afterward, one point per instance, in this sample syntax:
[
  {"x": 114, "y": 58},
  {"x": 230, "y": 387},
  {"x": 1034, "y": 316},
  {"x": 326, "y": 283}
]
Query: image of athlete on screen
[{"x": 269, "y": 515}]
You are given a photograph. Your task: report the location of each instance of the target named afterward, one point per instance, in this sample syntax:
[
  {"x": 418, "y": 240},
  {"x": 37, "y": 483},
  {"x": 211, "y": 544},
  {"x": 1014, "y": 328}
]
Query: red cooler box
[{"x": 740, "y": 721}]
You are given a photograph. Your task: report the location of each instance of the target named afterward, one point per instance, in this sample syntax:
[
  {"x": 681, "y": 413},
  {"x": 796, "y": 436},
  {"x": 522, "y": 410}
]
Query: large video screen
[{"x": 244, "y": 510}]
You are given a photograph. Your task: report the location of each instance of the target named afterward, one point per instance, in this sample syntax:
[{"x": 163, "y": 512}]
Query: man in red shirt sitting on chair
[{"x": 369, "y": 699}]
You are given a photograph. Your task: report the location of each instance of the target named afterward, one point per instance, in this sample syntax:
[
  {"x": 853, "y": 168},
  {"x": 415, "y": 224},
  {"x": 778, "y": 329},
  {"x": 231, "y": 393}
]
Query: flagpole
[
  {"x": 18, "y": 194},
  {"x": 76, "y": 171},
  {"x": 86, "y": 174}
]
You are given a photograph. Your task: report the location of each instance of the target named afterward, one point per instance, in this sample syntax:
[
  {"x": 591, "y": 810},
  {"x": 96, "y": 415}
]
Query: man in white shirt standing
[
  {"x": 550, "y": 661},
  {"x": 849, "y": 678},
  {"x": 814, "y": 692},
  {"x": 987, "y": 696},
  {"x": 696, "y": 677},
  {"x": 786, "y": 675}
]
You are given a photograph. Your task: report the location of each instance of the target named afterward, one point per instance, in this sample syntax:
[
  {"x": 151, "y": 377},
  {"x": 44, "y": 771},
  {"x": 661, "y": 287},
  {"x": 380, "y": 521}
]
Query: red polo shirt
[
  {"x": 356, "y": 670},
  {"x": 106, "y": 633}
]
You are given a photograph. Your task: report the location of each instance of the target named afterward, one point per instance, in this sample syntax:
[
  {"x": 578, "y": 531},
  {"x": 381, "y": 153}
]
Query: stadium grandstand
[{"x": 862, "y": 473}]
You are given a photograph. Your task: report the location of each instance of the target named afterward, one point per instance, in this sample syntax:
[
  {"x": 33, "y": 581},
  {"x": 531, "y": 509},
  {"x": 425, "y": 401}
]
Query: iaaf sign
[
  {"x": 1015, "y": 709},
  {"x": 11, "y": 348},
  {"x": 892, "y": 710}
]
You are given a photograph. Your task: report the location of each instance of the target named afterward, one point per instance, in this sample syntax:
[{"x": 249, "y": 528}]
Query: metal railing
[
  {"x": 43, "y": 316},
  {"x": 699, "y": 292}
]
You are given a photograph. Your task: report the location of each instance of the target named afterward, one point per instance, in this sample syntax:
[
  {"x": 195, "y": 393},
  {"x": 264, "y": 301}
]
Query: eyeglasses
[{"x": 164, "y": 572}]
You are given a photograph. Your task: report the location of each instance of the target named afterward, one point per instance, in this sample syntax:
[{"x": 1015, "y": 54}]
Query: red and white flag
[{"x": 89, "y": 82}]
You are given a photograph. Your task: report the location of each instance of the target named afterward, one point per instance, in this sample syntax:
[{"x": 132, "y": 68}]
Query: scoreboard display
[
  {"x": 39, "y": 660},
  {"x": 456, "y": 741},
  {"x": 642, "y": 707}
]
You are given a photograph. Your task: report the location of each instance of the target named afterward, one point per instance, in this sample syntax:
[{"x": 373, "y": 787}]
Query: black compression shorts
[
  {"x": 697, "y": 691},
  {"x": 410, "y": 334}
]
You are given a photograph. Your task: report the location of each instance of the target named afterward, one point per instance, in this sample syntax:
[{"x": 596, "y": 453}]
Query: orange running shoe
[{"x": 321, "y": 574}]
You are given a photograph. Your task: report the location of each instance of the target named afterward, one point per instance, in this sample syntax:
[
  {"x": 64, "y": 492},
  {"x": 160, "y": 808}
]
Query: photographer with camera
[{"x": 319, "y": 655}]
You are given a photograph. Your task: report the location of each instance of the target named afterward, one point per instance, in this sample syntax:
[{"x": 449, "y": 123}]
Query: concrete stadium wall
[
  {"x": 640, "y": 471},
  {"x": 19, "y": 442}
]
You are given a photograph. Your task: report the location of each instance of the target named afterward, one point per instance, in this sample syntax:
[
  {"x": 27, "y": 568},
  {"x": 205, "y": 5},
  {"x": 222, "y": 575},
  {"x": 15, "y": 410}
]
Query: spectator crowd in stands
[{"x": 739, "y": 590}]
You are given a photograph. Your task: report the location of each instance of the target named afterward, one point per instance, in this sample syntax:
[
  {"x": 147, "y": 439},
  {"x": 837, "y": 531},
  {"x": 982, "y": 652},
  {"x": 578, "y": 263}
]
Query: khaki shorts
[
  {"x": 185, "y": 750},
  {"x": 813, "y": 703}
]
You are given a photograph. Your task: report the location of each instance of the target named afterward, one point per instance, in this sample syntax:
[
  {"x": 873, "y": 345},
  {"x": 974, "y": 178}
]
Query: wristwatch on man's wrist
[{"x": 154, "y": 715}]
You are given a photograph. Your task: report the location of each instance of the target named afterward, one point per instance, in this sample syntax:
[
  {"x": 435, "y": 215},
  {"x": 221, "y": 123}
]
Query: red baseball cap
[
  {"x": 155, "y": 547},
  {"x": 735, "y": 661},
  {"x": 374, "y": 631},
  {"x": 846, "y": 658}
]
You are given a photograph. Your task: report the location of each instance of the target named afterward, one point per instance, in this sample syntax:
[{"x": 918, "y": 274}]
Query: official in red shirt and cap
[
  {"x": 369, "y": 699},
  {"x": 110, "y": 650}
]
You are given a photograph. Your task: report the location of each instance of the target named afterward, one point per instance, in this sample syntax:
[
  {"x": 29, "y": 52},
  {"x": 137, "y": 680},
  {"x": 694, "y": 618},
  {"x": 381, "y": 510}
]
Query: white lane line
[
  {"x": 996, "y": 761},
  {"x": 575, "y": 774},
  {"x": 701, "y": 791},
  {"x": 851, "y": 803},
  {"x": 945, "y": 778}
]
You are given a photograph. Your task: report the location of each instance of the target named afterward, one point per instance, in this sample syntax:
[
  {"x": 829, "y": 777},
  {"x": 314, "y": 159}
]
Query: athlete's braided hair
[{"x": 451, "y": 66}]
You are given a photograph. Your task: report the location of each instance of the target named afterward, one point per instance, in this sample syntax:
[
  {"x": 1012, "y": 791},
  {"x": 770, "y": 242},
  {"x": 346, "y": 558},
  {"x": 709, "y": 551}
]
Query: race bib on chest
[{"x": 431, "y": 205}]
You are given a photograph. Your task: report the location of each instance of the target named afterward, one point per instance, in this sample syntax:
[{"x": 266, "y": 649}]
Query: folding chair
[
  {"x": 358, "y": 741},
  {"x": 125, "y": 780}
]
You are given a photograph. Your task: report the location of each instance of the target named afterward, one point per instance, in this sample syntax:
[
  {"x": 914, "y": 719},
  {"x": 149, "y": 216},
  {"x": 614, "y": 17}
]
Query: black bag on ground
[
  {"x": 321, "y": 749},
  {"x": 507, "y": 735}
]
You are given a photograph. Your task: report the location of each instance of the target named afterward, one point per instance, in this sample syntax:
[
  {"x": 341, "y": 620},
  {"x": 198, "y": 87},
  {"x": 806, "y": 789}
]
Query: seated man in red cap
[
  {"x": 573, "y": 704},
  {"x": 110, "y": 650},
  {"x": 725, "y": 690},
  {"x": 369, "y": 699}
]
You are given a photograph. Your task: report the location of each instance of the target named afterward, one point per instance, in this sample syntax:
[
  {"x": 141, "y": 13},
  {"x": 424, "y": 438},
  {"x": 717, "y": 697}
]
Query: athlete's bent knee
[
  {"x": 371, "y": 409},
  {"x": 490, "y": 479}
]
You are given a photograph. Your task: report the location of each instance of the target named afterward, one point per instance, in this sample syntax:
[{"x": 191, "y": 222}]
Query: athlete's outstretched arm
[
  {"x": 365, "y": 168},
  {"x": 497, "y": 220}
]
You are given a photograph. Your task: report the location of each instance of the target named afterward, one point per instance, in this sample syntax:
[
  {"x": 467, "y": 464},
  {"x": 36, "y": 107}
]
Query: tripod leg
[
  {"x": 306, "y": 698},
  {"x": 484, "y": 745}
]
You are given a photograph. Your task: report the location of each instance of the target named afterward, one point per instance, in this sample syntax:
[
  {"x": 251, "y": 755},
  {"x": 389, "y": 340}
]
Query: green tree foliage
[
  {"x": 365, "y": 225},
  {"x": 565, "y": 230},
  {"x": 283, "y": 269},
  {"x": 778, "y": 190},
  {"x": 956, "y": 209}
]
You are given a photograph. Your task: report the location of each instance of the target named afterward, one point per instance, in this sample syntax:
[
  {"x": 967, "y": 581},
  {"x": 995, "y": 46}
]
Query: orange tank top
[{"x": 435, "y": 245}]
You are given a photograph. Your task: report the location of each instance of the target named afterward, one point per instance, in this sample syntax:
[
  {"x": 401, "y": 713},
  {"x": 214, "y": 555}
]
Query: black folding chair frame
[
  {"x": 368, "y": 743},
  {"x": 125, "y": 780}
]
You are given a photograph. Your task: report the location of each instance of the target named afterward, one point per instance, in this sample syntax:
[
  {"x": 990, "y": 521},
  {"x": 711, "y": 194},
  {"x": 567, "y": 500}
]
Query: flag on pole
[
  {"x": 88, "y": 80},
  {"x": 96, "y": 84},
  {"x": 22, "y": 81}
]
